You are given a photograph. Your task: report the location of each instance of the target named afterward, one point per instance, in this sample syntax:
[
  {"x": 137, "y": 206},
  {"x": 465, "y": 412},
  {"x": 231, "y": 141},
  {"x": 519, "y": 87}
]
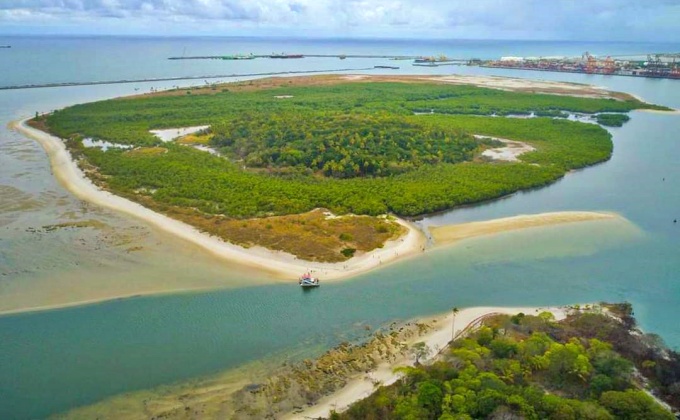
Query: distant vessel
[
  {"x": 386, "y": 67},
  {"x": 308, "y": 281},
  {"x": 5, "y": 46},
  {"x": 283, "y": 55}
]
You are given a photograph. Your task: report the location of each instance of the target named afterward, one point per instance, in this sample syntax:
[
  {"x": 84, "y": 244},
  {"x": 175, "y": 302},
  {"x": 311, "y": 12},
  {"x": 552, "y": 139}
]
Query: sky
[{"x": 583, "y": 20}]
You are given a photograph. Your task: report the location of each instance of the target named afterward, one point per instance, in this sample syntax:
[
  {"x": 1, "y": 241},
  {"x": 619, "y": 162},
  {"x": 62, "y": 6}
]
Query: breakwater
[
  {"x": 340, "y": 56},
  {"x": 166, "y": 79}
]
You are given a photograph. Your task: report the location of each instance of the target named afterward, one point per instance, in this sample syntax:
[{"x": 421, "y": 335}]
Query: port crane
[{"x": 590, "y": 62}]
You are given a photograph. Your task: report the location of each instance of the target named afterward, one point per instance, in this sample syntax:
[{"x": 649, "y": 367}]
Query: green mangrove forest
[{"x": 352, "y": 147}]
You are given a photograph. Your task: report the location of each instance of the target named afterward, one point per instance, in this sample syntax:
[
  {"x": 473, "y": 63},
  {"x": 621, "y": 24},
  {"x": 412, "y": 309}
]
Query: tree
[
  {"x": 454, "y": 312},
  {"x": 420, "y": 350},
  {"x": 430, "y": 398},
  {"x": 633, "y": 405}
]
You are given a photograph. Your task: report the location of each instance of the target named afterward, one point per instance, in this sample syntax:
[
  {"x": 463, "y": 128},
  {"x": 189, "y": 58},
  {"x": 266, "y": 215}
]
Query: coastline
[
  {"x": 280, "y": 265},
  {"x": 213, "y": 396},
  {"x": 436, "y": 339}
]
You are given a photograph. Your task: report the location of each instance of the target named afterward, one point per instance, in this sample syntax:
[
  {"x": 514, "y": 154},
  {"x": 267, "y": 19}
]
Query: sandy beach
[
  {"x": 280, "y": 264},
  {"x": 436, "y": 339},
  {"x": 447, "y": 235}
]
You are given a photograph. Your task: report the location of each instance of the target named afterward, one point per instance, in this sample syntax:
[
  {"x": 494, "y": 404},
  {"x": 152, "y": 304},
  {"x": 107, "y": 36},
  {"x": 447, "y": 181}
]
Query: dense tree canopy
[
  {"x": 523, "y": 367},
  {"x": 354, "y": 147},
  {"x": 341, "y": 145}
]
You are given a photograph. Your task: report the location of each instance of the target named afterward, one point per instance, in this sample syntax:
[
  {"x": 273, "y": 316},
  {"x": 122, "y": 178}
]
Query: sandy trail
[{"x": 363, "y": 386}]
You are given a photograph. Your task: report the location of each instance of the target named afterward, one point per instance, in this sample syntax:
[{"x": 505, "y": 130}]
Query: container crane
[
  {"x": 609, "y": 65},
  {"x": 590, "y": 62}
]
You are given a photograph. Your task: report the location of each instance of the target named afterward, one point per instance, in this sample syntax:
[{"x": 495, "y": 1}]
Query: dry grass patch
[
  {"x": 312, "y": 236},
  {"x": 195, "y": 139},
  {"x": 147, "y": 151}
]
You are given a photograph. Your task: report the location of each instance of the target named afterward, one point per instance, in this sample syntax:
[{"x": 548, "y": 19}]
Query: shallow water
[{"x": 51, "y": 361}]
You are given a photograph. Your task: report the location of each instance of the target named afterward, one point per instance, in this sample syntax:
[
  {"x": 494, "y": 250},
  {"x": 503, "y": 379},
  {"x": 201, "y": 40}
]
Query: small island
[{"x": 325, "y": 168}]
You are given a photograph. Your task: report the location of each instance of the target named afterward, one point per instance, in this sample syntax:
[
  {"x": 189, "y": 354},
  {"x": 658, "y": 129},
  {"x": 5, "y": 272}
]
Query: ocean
[{"x": 52, "y": 361}]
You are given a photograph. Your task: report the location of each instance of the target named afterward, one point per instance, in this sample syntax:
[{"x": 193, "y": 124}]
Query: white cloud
[{"x": 554, "y": 19}]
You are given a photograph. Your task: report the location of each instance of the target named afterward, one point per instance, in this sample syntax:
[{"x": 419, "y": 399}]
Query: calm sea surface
[{"x": 52, "y": 361}]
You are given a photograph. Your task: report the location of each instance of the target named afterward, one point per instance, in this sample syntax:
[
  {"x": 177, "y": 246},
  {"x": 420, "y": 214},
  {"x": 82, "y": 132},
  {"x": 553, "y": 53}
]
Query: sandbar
[{"x": 449, "y": 234}]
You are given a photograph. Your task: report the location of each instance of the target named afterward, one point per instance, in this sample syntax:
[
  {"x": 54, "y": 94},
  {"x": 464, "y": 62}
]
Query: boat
[
  {"x": 386, "y": 67},
  {"x": 308, "y": 281}
]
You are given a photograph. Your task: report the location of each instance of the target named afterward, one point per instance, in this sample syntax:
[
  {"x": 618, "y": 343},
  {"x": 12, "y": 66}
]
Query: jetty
[
  {"x": 279, "y": 56},
  {"x": 169, "y": 79}
]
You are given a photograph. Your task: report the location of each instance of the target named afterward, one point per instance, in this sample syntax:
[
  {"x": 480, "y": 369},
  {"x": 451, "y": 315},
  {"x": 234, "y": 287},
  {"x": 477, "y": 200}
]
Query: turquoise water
[{"x": 55, "y": 360}]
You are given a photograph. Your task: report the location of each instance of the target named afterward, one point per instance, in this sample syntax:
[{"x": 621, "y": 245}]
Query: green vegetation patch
[
  {"x": 527, "y": 367},
  {"x": 350, "y": 147},
  {"x": 341, "y": 145},
  {"x": 612, "y": 120}
]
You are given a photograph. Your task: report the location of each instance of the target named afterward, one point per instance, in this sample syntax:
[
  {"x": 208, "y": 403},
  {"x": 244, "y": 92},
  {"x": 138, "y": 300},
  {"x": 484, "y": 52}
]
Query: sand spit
[
  {"x": 497, "y": 82},
  {"x": 282, "y": 265},
  {"x": 446, "y": 235},
  {"x": 436, "y": 339}
]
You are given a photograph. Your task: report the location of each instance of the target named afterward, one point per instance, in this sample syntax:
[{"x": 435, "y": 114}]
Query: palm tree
[{"x": 454, "y": 311}]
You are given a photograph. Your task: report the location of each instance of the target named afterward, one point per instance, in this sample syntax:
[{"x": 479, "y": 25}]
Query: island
[{"x": 326, "y": 171}]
